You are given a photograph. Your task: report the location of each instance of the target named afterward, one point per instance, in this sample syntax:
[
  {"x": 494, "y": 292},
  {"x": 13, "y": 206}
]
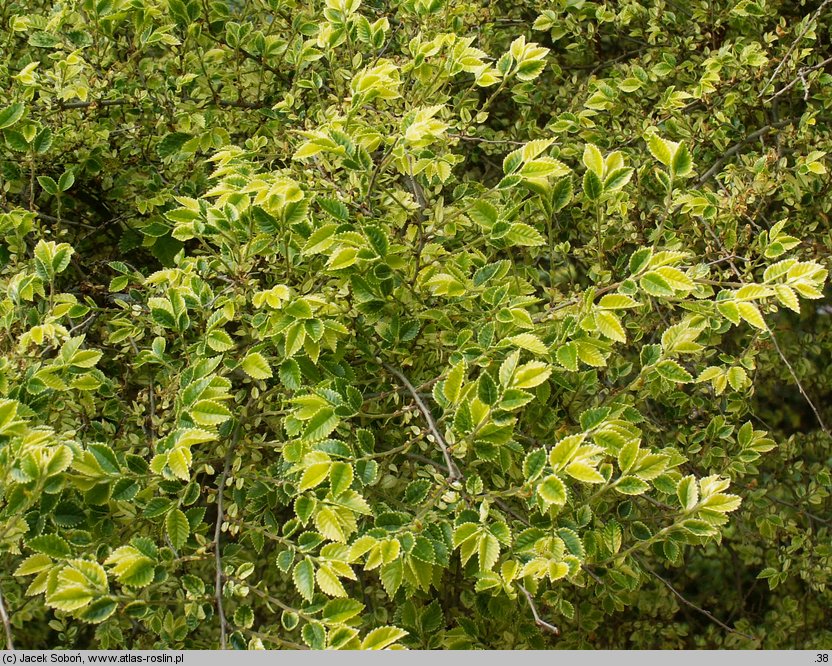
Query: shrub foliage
[{"x": 431, "y": 324}]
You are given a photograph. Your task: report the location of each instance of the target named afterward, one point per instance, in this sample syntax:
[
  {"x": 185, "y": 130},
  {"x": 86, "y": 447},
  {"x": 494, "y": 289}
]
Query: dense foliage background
[{"x": 435, "y": 324}]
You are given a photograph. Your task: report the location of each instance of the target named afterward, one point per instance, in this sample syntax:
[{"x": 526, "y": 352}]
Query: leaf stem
[{"x": 7, "y": 626}]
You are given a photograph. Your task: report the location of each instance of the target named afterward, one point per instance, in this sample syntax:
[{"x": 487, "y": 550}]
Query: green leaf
[
  {"x": 661, "y": 149},
  {"x": 314, "y": 635},
  {"x": 48, "y": 184},
  {"x": 729, "y": 310},
  {"x": 209, "y": 413},
  {"x": 688, "y": 492},
  {"x": 520, "y": 233},
  {"x": 43, "y": 141},
  {"x": 336, "y": 209},
  {"x": 326, "y": 520},
  {"x": 631, "y": 485},
  {"x": 131, "y": 567},
  {"x": 453, "y": 383},
  {"x": 379, "y": 639},
  {"x": 610, "y": 326},
  {"x": 529, "y": 342},
  {"x": 340, "y": 477},
  {"x": 322, "y": 423},
  {"x": 423, "y": 550},
  {"x": 682, "y": 164},
  {"x": 590, "y": 354},
  {"x": 563, "y": 452},
  {"x": 552, "y": 490},
  {"x": 675, "y": 278},
  {"x": 321, "y": 239},
  {"x": 177, "y": 527},
  {"x": 329, "y": 583},
  {"x": 256, "y": 366},
  {"x": 66, "y": 181},
  {"x": 593, "y": 187},
  {"x": 581, "y": 471},
  {"x": 34, "y": 564},
  {"x": 507, "y": 368},
  {"x": 338, "y": 611},
  {"x": 617, "y": 302},
  {"x": 487, "y": 389},
  {"x": 16, "y": 140},
  {"x": 567, "y": 356},
  {"x": 314, "y": 475},
  {"x": 640, "y": 259},
  {"x": 342, "y": 258},
  {"x": 617, "y": 179},
  {"x": 190, "y": 436},
  {"x": 289, "y": 374},
  {"x": 531, "y": 374},
  {"x": 489, "y": 271},
  {"x": 593, "y": 160},
  {"x": 179, "y": 461},
  {"x": 655, "y": 285},
  {"x": 99, "y": 610},
  {"x": 721, "y": 502},
  {"x": 627, "y": 455},
  {"x": 303, "y": 575},
  {"x": 219, "y": 340},
  {"x": 298, "y": 309},
  {"x": 488, "y": 550},
  {"x": 244, "y": 616},
  {"x": 391, "y": 576},
  {"x": 483, "y": 213},
  {"x": 11, "y": 114},
  {"x": 171, "y": 144},
  {"x": 533, "y": 464},
  {"x": 289, "y": 620},
  {"x": 673, "y": 372},
  {"x": 561, "y": 193},
  {"x": 751, "y": 314},
  {"x": 51, "y": 545}
]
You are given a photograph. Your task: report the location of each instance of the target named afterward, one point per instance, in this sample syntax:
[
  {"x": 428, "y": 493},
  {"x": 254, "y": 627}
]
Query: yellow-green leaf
[{"x": 256, "y": 366}]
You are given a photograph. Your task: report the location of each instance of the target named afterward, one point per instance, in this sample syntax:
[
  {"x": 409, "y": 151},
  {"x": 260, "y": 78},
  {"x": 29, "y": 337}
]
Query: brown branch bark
[
  {"x": 7, "y": 625},
  {"x": 540, "y": 622},
  {"x": 690, "y": 604},
  {"x": 737, "y": 147},
  {"x": 453, "y": 471}
]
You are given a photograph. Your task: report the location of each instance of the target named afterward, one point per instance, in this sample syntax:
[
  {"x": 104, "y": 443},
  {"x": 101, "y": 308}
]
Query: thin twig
[
  {"x": 797, "y": 507},
  {"x": 737, "y": 147},
  {"x": 387, "y": 45},
  {"x": 376, "y": 169},
  {"x": 453, "y": 472},
  {"x": 50, "y": 218},
  {"x": 800, "y": 77},
  {"x": 85, "y": 325},
  {"x": 267, "y": 597},
  {"x": 274, "y": 639},
  {"x": 785, "y": 59},
  {"x": 477, "y": 139},
  {"x": 218, "y": 586},
  {"x": 507, "y": 508},
  {"x": 592, "y": 574},
  {"x": 152, "y": 414},
  {"x": 799, "y": 385},
  {"x": 540, "y": 316},
  {"x": 551, "y": 628},
  {"x": 690, "y": 604},
  {"x": 7, "y": 625},
  {"x": 78, "y": 104}
]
